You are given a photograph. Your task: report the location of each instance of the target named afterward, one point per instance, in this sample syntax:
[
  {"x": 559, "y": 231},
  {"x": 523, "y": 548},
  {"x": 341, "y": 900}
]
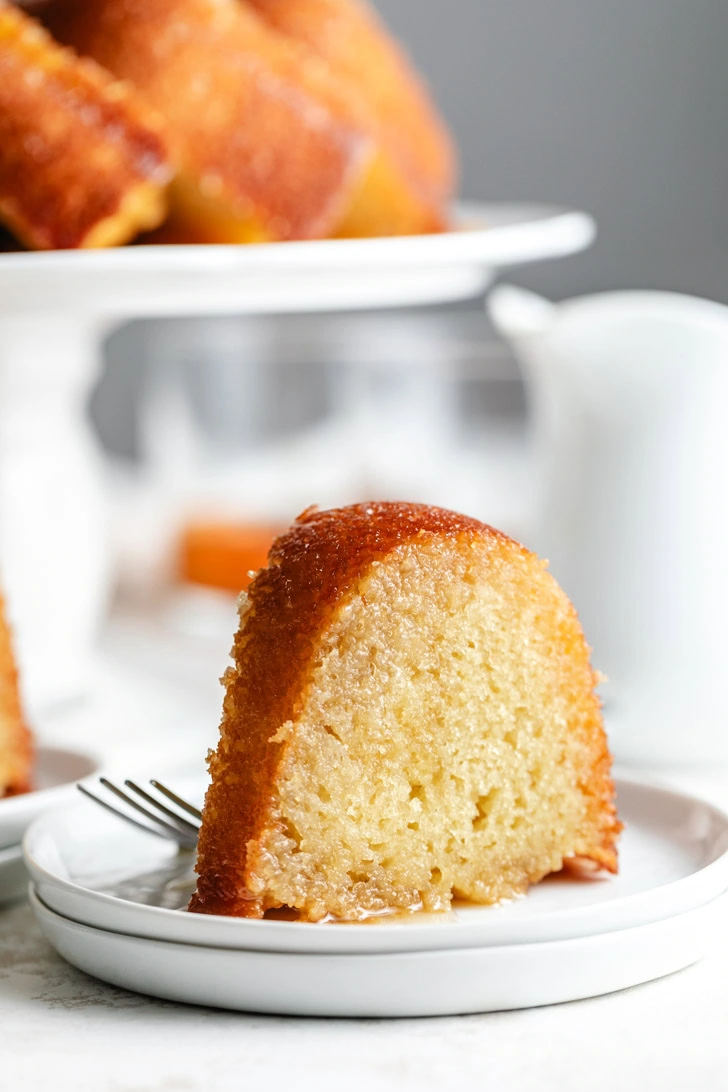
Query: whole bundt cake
[
  {"x": 16, "y": 752},
  {"x": 411, "y": 717}
]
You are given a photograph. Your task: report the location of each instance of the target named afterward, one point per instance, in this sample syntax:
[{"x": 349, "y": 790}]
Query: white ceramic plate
[
  {"x": 301, "y": 276},
  {"x": 91, "y": 867},
  {"x": 55, "y": 775},
  {"x": 435, "y": 983},
  {"x": 13, "y": 876}
]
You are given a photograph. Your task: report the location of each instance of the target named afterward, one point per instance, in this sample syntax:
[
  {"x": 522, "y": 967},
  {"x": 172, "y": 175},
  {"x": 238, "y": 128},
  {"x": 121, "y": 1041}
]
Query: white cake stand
[
  {"x": 132, "y": 282},
  {"x": 56, "y": 307}
]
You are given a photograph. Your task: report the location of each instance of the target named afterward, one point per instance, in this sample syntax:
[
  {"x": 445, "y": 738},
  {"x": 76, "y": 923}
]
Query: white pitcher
[{"x": 629, "y": 394}]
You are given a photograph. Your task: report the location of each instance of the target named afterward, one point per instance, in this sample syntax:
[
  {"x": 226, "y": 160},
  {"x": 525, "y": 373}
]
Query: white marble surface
[{"x": 60, "y": 1029}]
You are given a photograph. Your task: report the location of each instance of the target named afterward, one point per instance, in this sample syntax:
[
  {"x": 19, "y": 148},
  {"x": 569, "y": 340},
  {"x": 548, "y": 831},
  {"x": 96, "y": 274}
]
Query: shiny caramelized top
[
  {"x": 324, "y": 552},
  {"x": 73, "y": 143},
  {"x": 311, "y": 567},
  {"x": 315, "y": 563}
]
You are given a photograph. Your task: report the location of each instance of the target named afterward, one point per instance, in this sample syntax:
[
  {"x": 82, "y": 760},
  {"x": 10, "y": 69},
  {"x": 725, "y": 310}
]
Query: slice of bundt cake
[
  {"x": 16, "y": 753},
  {"x": 410, "y": 717},
  {"x": 81, "y": 162}
]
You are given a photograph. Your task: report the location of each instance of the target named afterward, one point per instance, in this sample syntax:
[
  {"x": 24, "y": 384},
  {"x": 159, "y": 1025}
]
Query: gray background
[{"x": 616, "y": 106}]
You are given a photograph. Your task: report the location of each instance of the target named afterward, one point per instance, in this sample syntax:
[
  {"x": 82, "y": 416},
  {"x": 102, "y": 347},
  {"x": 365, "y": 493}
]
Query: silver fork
[{"x": 167, "y": 823}]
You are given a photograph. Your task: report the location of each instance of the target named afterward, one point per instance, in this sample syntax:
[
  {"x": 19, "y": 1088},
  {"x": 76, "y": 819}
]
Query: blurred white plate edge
[{"x": 56, "y": 771}]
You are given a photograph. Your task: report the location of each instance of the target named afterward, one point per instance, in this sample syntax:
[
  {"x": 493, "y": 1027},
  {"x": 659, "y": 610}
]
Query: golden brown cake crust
[
  {"x": 311, "y": 568},
  {"x": 350, "y": 38},
  {"x": 81, "y": 162},
  {"x": 16, "y": 745},
  {"x": 255, "y": 125}
]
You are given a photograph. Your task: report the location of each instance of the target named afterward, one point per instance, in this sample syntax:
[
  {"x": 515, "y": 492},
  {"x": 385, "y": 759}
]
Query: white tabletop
[{"x": 61, "y": 1030}]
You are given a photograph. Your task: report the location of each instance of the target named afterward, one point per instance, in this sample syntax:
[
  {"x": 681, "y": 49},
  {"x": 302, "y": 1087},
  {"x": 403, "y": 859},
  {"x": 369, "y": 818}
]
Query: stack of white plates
[
  {"x": 111, "y": 900},
  {"x": 55, "y": 775}
]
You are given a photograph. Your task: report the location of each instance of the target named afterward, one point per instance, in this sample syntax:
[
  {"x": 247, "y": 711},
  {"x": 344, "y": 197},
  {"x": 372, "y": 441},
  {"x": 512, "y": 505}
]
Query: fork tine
[
  {"x": 128, "y": 818},
  {"x": 195, "y": 812},
  {"x": 175, "y": 833},
  {"x": 183, "y": 824}
]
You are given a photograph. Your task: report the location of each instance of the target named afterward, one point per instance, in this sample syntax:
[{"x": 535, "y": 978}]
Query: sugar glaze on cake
[{"x": 411, "y": 717}]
